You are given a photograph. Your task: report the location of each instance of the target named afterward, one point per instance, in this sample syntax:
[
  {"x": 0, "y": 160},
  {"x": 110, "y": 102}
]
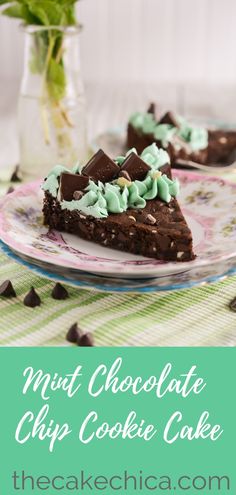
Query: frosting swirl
[
  {"x": 196, "y": 137},
  {"x": 152, "y": 155},
  {"x": 143, "y": 121},
  {"x": 101, "y": 199}
]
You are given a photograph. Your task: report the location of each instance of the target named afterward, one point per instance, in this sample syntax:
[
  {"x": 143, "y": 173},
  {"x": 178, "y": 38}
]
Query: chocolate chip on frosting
[
  {"x": 125, "y": 175},
  {"x": 170, "y": 119},
  {"x": 77, "y": 195},
  {"x": 152, "y": 109}
]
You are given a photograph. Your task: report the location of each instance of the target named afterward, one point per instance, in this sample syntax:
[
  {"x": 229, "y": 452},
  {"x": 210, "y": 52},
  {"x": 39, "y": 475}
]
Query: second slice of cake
[
  {"x": 127, "y": 204},
  {"x": 181, "y": 139}
]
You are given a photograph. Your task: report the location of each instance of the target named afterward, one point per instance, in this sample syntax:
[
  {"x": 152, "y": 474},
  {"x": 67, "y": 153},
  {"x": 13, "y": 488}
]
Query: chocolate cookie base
[
  {"x": 169, "y": 239},
  {"x": 221, "y": 145}
]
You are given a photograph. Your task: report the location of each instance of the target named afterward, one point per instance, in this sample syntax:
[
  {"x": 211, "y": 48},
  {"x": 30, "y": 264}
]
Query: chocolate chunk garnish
[
  {"x": 166, "y": 169},
  {"x": 86, "y": 340},
  {"x": 16, "y": 177},
  {"x": 32, "y": 299},
  {"x": 7, "y": 289},
  {"x": 77, "y": 195},
  {"x": 152, "y": 109},
  {"x": 170, "y": 119},
  {"x": 10, "y": 190},
  {"x": 125, "y": 175},
  {"x": 101, "y": 168},
  {"x": 232, "y": 305},
  {"x": 135, "y": 167},
  {"x": 73, "y": 334},
  {"x": 70, "y": 183},
  {"x": 59, "y": 292}
]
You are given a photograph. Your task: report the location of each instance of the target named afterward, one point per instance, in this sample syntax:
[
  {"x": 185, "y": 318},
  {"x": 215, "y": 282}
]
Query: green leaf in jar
[
  {"x": 27, "y": 16},
  {"x": 3, "y": 2},
  {"x": 49, "y": 12},
  {"x": 56, "y": 80},
  {"x": 14, "y": 10},
  {"x": 70, "y": 15}
]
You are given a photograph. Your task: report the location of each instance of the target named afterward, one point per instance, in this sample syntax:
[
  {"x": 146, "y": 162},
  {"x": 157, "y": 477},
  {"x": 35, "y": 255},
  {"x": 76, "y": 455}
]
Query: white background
[
  {"x": 146, "y": 40},
  {"x": 181, "y": 53}
]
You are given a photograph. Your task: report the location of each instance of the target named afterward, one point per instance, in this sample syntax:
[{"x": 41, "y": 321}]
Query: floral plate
[
  {"x": 209, "y": 204},
  {"x": 83, "y": 280}
]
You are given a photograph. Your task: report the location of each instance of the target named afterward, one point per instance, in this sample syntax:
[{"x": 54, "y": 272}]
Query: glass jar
[{"x": 51, "y": 110}]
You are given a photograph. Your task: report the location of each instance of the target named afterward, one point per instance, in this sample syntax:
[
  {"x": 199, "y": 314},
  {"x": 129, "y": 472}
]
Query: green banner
[{"x": 97, "y": 420}]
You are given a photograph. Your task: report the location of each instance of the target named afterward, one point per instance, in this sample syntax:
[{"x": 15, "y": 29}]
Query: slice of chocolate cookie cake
[
  {"x": 127, "y": 204},
  {"x": 181, "y": 139}
]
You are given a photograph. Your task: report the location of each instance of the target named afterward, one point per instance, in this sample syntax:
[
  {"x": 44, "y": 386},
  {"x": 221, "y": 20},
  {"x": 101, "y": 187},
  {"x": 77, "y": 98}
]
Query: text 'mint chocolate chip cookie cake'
[{"x": 128, "y": 204}]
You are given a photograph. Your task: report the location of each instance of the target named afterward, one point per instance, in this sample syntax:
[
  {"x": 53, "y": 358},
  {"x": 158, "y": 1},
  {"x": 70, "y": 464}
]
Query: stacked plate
[{"x": 208, "y": 203}]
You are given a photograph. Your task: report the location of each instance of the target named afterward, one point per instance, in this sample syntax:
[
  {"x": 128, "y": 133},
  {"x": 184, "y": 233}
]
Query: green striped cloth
[{"x": 192, "y": 317}]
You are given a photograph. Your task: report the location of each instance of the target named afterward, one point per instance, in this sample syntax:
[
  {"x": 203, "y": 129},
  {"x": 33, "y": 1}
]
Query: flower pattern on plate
[{"x": 209, "y": 204}]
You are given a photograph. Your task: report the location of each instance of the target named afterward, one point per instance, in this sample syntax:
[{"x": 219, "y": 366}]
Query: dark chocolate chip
[
  {"x": 232, "y": 305},
  {"x": 10, "y": 190},
  {"x": 101, "y": 168},
  {"x": 7, "y": 289},
  {"x": 86, "y": 340},
  {"x": 135, "y": 167},
  {"x": 59, "y": 292},
  {"x": 125, "y": 175},
  {"x": 77, "y": 195},
  {"x": 170, "y": 119},
  {"x": 166, "y": 169},
  {"x": 152, "y": 109},
  {"x": 69, "y": 183},
  {"x": 16, "y": 177},
  {"x": 73, "y": 334},
  {"x": 32, "y": 299}
]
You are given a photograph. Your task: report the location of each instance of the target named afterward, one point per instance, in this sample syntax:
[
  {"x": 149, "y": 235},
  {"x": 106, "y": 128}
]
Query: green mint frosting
[
  {"x": 143, "y": 121},
  {"x": 101, "y": 199},
  {"x": 195, "y": 137},
  {"x": 152, "y": 155},
  {"x": 165, "y": 133},
  {"x": 51, "y": 183}
]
